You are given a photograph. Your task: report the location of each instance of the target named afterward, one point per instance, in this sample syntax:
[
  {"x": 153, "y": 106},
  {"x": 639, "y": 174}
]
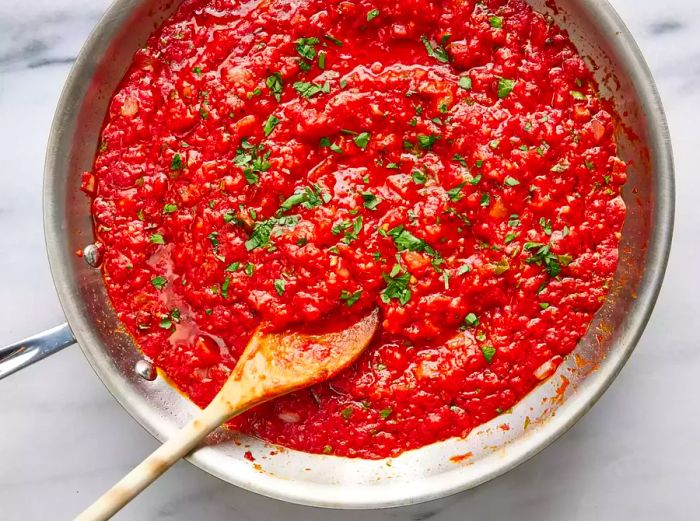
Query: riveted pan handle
[{"x": 25, "y": 352}]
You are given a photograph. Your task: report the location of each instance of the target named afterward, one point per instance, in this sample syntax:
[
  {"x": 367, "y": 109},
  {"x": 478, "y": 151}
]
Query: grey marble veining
[{"x": 63, "y": 439}]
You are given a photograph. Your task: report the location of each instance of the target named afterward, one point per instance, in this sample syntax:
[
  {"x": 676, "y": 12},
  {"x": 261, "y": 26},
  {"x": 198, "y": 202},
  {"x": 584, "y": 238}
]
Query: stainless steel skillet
[{"x": 427, "y": 473}]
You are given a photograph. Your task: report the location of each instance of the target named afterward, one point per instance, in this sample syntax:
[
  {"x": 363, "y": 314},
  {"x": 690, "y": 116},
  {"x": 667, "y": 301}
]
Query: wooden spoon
[{"x": 271, "y": 365}]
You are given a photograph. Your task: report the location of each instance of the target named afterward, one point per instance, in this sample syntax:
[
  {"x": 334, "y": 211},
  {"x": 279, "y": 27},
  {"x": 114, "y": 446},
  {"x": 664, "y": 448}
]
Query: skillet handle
[{"x": 25, "y": 352}]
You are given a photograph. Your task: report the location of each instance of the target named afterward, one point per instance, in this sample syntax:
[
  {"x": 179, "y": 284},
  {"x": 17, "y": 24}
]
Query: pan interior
[{"x": 417, "y": 475}]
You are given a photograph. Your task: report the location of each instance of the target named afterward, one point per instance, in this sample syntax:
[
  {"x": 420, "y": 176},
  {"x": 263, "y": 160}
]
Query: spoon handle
[{"x": 181, "y": 444}]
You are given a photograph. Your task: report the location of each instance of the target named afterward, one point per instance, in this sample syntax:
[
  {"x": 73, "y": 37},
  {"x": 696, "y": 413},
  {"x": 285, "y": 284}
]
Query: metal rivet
[
  {"x": 92, "y": 256},
  {"x": 145, "y": 370}
]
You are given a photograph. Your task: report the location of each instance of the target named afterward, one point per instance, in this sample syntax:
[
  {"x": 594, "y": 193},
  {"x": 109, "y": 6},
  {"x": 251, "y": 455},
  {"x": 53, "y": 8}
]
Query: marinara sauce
[{"x": 299, "y": 163}]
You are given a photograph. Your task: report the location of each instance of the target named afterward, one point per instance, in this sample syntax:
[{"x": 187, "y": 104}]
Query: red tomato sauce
[{"x": 295, "y": 163}]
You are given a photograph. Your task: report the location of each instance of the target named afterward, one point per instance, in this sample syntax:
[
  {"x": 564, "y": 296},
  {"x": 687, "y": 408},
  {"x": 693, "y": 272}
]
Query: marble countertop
[{"x": 63, "y": 439}]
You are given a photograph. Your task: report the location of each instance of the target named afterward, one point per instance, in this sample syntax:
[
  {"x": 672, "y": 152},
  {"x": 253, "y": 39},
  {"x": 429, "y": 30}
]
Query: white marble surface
[{"x": 63, "y": 439}]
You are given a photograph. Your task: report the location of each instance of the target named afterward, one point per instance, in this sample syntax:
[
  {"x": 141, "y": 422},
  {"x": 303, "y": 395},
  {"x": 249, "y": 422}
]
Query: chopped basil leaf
[
  {"x": 262, "y": 232},
  {"x": 578, "y": 95},
  {"x": 464, "y": 268},
  {"x": 455, "y": 193},
  {"x": 157, "y": 238},
  {"x": 511, "y": 237},
  {"x": 474, "y": 180},
  {"x": 322, "y": 60},
  {"x": 465, "y": 82},
  {"x": 544, "y": 305},
  {"x": 306, "y": 47},
  {"x": 436, "y": 52},
  {"x": 274, "y": 83},
  {"x": 214, "y": 238},
  {"x": 333, "y": 39},
  {"x": 546, "y": 226},
  {"x": 224, "y": 287},
  {"x": 356, "y": 229},
  {"x": 270, "y": 124},
  {"x": 370, "y": 200},
  {"x": 544, "y": 256},
  {"x": 511, "y": 181},
  {"x": 426, "y": 142},
  {"x": 340, "y": 226},
  {"x": 176, "y": 162},
  {"x": 350, "y": 298},
  {"x": 249, "y": 268},
  {"x": 405, "y": 240},
  {"x": 372, "y": 14},
  {"x": 335, "y": 148},
  {"x": 459, "y": 159},
  {"x": 309, "y": 90},
  {"x": 308, "y": 198},
  {"x": 485, "y": 200},
  {"x": 419, "y": 177},
  {"x": 234, "y": 266},
  {"x": 159, "y": 282},
  {"x": 362, "y": 139},
  {"x": 488, "y": 352},
  {"x": 346, "y": 413},
  {"x": 396, "y": 287},
  {"x": 505, "y": 86},
  {"x": 279, "y": 286},
  {"x": 496, "y": 22},
  {"x": 252, "y": 159},
  {"x": 169, "y": 208},
  {"x": 471, "y": 320}
]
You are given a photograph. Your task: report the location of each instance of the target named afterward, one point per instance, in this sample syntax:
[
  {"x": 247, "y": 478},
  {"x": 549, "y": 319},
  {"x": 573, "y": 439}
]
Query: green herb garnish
[
  {"x": 274, "y": 83},
  {"x": 370, "y": 200},
  {"x": 362, "y": 139},
  {"x": 176, "y": 162},
  {"x": 159, "y": 282},
  {"x": 505, "y": 86},
  {"x": 350, "y": 298},
  {"x": 306, "y": 47},
  {"x": 270, "y": 124},
  {"x": 488, "y": 352},
  {"x": 436, "y": 51},
  {"x": 496, "y": 22},
  {"x": 471, "y": 320}
]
